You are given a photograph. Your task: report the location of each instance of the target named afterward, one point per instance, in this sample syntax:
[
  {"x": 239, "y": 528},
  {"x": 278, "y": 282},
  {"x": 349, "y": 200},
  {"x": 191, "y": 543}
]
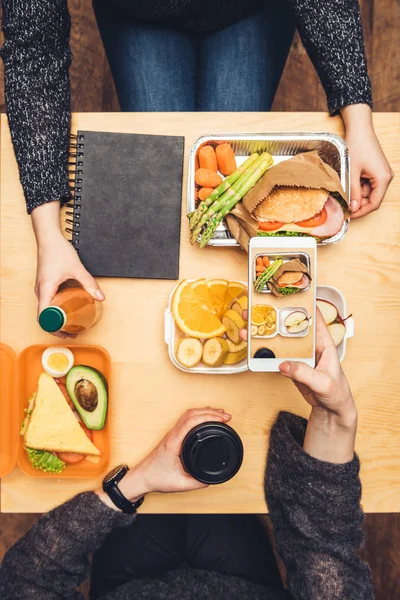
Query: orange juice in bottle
[{"x": 72, "y": 310}]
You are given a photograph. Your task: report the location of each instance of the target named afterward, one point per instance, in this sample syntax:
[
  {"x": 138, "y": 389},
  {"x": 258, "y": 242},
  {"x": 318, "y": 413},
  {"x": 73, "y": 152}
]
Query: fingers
[
  {"x": 323, "y": 339},
  {"x": 378, "y": 190},
  {"x": 300, "y": 373},
  {"x": 45, "y": 292},
  {"x": 355, "y": 189},
  {"x": 243, "y": 334},
  {"x": 195, "y": 416},
  {"x": 90, "y": 285}
]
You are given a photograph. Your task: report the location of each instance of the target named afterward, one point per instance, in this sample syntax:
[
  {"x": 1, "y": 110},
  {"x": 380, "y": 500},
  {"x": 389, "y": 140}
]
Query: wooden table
[{"x": 149, "y": 393}]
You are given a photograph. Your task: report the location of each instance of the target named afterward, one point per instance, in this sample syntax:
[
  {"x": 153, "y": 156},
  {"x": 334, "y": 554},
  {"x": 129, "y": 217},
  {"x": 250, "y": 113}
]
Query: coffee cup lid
[{"x": 212, "y": 452}]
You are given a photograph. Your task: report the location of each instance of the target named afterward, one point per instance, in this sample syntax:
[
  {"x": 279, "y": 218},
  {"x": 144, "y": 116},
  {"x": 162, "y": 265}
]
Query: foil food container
[{"x": 282, "y": 146}]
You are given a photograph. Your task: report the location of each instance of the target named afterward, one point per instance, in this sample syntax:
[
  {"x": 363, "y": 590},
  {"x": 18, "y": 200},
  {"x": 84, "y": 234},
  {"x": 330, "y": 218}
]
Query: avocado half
[{"x": 88, "y": 388}]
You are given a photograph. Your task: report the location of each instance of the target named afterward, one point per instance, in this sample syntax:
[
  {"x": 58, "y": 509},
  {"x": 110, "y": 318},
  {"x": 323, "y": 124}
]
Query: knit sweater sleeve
[
  {"x": 36, "y": 59},
  {"x": 332, "y": 34},
  {"x": 317, "y": 518},
  {"x": 50, "y": 561}
]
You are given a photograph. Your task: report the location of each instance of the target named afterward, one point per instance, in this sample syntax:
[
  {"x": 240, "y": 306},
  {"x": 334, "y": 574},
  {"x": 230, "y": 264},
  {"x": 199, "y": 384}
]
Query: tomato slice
[
  {"x": 70, "y": 458},
  {"x": 318, "y": 219},
  {"x": 269, "y": 225}
]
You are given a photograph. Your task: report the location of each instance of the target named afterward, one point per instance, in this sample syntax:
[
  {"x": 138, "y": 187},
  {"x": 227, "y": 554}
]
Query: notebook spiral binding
[{"x": 75, "y": 172}]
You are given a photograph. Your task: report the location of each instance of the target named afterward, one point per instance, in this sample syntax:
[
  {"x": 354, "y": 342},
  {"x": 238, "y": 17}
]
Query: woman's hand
[
  {"x": 57, "y": 260},
  {"x": 162, "y": 470},
  {"x": 332, "y": 424},
  {"x": 370, "y": 171}
]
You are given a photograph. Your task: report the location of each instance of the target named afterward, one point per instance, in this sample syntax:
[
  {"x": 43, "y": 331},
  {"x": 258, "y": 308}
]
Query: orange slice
[
  {"x": 201, "y": 289},
  {"x": 192, "y": 315},
  {"x": 234, "y": 289},
  {"x": 217, "y": 288},
  {"x": 259, "y": 314}
]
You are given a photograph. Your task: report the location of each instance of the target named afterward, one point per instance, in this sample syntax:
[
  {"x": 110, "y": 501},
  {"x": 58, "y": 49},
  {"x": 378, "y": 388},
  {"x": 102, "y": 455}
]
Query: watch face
[{"x": 112, "y": 475}]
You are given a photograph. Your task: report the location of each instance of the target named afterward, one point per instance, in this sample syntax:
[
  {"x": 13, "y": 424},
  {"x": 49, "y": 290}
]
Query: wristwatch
[{"x": 110, "y": 487}]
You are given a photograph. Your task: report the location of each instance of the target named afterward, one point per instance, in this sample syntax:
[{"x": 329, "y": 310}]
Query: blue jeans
[{"x": 161, "y": 68}]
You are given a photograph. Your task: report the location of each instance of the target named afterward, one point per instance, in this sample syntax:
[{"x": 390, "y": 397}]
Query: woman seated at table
[
  {"x": 184, "y": 55},
  {"x": 313, "y": 493}
]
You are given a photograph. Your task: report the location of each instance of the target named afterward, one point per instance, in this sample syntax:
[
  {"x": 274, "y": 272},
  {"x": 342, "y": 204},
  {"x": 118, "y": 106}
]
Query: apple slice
[
  {"x": 337, "y": 331},
  {"x": 298, "y": 327},
  {"x": 294, "y": 318},
  {"x": 328, "y": 310}
]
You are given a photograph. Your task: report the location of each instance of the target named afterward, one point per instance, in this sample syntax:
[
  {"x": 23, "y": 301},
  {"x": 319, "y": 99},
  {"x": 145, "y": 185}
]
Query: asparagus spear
[
  {"x": 266, "y": 275},
  {"x": 228, "y": 195},
  {"x": 240, "y": 191},
  {"x": 195, "y": 216}
]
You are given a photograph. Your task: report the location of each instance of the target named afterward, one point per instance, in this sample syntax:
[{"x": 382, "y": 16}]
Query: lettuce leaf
[
  {"x": 46, "y": 461},
  {"x": 284, "y": 234},
  {"x": 286, "y": 291}
]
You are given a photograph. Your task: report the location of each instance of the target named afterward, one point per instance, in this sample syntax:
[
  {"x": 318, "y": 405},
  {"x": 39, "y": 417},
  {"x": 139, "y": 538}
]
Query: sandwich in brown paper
[
  {"x": 300, "y": 187},
  {"x": 291, "y": 277}
]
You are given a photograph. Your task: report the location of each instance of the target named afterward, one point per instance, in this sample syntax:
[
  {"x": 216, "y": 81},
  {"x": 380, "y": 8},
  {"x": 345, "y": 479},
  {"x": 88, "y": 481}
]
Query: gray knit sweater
[
  {"x": 36, "y": 57},
  {"x": 315, "y": 511}
]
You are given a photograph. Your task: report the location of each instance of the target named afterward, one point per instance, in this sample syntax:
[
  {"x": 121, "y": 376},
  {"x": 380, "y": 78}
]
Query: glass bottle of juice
[{"x": 72, "y": 310}]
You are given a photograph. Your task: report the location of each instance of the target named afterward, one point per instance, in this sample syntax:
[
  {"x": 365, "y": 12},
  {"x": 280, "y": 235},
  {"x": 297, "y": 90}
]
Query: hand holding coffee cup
[{"x": 162, "y": 470}]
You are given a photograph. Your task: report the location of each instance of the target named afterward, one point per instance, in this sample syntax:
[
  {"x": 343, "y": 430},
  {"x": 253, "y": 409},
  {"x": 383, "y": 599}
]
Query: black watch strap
[{"x": 110, "y": 487}]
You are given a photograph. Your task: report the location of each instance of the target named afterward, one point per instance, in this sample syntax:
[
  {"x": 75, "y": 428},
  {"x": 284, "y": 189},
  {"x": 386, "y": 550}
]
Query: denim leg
[
  {"x": 153, "y": 66},
  {"x": 240, "y": 66}
]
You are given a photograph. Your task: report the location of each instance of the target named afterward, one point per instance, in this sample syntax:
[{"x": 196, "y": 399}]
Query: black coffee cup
[{"x": 212, "y": 452}]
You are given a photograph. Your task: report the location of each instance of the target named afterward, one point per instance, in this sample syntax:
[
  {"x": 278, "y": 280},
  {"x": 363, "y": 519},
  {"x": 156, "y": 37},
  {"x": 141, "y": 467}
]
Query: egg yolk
[{"x": 57, "y": 361}]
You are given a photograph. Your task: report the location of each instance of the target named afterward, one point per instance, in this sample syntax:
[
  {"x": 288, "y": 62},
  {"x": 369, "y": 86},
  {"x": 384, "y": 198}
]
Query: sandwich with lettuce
[{"x": 53, "y": 436}]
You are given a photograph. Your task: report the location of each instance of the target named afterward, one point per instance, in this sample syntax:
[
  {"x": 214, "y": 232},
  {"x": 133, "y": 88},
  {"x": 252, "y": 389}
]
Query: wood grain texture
[
  {"x": 299, "y": 89},
  {"x": 364, "y": 266}
]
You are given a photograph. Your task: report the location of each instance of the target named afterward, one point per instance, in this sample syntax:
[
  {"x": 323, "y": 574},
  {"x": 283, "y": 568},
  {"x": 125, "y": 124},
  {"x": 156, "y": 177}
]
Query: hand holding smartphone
[{"x": 282, "y": 301}]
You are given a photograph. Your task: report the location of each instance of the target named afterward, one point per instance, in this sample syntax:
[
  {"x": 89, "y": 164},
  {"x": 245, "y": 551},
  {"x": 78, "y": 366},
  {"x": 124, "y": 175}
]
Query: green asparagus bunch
[
  {"x": 228, "y": 201},
  {"x": 196, "y": 215},
  {"x": 266, "y": 275}
]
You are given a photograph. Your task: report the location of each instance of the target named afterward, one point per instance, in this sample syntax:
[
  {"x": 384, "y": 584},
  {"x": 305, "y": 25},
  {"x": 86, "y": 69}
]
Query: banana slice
[
  {"x": 234, "y": 357},
  {"x": 215, "y": 351},
  {"x": 233, "y": 348},
  {"x": 233, "y": 323},
  {"x": 254, "y": 330},
  {"x": 189, "y": 352},
  {"x": 240, "y": 305}
]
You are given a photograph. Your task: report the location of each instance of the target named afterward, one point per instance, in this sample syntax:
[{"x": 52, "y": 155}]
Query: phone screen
[{"x": 282, "y": 301}]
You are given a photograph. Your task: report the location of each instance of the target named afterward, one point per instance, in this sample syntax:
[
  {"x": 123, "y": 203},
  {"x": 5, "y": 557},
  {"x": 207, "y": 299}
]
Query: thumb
[
  {"x": 90, "y": 285},
  {"x": 299, "y": 372},
  {"x": 355, "y": 189}
]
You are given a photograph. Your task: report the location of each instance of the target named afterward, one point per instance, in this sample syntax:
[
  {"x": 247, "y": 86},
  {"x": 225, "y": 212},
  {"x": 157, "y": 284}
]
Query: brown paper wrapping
[{"x": 303, "y": 170}]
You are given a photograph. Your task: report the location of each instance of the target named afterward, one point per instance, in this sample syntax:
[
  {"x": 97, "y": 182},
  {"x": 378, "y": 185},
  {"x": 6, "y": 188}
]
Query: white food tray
[{"x": 172, "y": 334}]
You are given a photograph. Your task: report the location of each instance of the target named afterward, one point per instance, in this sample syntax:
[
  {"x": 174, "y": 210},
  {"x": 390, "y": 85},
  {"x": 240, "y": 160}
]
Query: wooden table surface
[{"x": 149, "y": 393}]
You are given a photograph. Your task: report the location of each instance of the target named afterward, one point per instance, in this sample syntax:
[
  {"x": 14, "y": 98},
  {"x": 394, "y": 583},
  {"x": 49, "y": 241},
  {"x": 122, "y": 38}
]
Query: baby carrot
[
  {"x": 259, "y": 261},
  {"x": 266, "y": 261},
  {"x": 226, "y": 159},
  {"x": 207, "y": 178},
  {"x": 207, "y": 158},
  {"x": 204, "y": 193}
]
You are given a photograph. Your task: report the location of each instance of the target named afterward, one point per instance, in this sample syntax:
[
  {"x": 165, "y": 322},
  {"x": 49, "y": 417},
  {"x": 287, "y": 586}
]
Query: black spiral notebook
[{"x": 125, "y": 216}]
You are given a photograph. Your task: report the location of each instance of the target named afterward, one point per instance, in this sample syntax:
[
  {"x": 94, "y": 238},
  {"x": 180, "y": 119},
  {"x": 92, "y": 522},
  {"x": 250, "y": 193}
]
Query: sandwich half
[
  {"x": 298, "y": 210},
  {"x": 52, "y": 425},
  {"x": 290, "y": 278}
]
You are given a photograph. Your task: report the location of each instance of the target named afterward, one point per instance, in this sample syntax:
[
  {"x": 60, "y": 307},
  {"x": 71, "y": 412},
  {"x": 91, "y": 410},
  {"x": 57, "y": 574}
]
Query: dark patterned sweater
[
  {"x": 36, "y": 57},
  {"x": 316, "y": 515}
]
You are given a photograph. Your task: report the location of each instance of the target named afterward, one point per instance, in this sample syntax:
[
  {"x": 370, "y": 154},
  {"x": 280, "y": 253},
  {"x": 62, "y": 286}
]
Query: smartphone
[{"x": 282, "y": 301}]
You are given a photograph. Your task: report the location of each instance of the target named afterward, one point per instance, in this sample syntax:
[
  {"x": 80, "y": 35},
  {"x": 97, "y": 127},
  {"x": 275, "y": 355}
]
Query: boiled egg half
[{"x": 57, "y": 361}]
